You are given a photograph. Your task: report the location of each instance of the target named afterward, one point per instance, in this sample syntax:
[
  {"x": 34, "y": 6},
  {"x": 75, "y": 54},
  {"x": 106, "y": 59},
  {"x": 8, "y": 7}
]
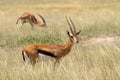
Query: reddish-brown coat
[
  {"x": 29, "y": 18},
  {"x": 56, "y": 49},
  {"x": 32, "y": 51}
]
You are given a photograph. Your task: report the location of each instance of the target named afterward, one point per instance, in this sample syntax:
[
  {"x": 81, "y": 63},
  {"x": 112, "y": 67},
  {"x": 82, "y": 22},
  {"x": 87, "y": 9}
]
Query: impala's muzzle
[{"x": 75, "y": 40}]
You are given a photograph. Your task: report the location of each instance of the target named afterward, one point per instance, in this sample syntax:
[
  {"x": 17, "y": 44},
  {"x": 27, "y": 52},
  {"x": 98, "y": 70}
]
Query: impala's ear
[
  {"x": 68, "y": 33},
  {"x": 78, "y": 32}
]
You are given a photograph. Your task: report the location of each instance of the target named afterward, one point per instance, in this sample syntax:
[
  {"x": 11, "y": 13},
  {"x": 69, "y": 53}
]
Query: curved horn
[
  {"x": 69, "y": 25},
  {"x": 44, "y": 22},
  {"x": 72, "y": 24}
]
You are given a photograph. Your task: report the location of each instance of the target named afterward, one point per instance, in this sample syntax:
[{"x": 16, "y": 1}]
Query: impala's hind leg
[
  {"x": 26, "y": 60},
  {"x": 33, "y": 62},
  {"x": 33, "y": 58}
]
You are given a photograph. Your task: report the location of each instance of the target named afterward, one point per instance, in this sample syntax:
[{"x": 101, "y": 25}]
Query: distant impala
[
  {"x": 29, "y": 18},
  {"x": 32, "y": 52}
]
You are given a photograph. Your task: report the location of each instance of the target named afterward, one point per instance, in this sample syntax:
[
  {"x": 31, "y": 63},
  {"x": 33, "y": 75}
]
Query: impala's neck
[{"x": 68, "y": 44}]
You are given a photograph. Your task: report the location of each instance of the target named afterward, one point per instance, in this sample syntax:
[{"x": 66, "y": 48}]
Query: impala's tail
[
  {"x": 23, "y": 55},
  {"x": 44, "y": 22}
]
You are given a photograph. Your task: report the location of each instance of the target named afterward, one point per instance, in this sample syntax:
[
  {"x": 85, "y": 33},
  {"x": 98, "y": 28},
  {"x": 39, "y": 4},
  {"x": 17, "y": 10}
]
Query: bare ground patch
[{"x": 102, "y": 39}]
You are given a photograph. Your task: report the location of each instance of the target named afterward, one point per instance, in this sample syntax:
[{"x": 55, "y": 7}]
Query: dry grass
[{"x": 93, "y": 62}]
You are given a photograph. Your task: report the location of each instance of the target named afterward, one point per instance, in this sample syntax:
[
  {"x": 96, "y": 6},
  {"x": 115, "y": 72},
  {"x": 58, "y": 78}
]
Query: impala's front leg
[
  {"x": 22, "y": 22},
  {"x": 31, "y": 25},
  {"x": 56, "y": 62},
  {"x": 17, "y": 20}
]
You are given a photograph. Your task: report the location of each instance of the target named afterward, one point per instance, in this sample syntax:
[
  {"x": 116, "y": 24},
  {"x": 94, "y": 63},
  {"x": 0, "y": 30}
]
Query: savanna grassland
[{"x": 95, "y": 18}]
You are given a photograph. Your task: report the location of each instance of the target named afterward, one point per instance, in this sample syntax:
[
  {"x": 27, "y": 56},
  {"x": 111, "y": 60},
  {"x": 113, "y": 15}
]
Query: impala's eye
[{"x": 71, "y": 36}]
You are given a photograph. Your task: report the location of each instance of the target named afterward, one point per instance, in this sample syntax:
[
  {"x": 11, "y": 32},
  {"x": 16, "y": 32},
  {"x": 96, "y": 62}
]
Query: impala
[
  {"x": 29, "y": 18},
  {"x": 31, "y": 52}
]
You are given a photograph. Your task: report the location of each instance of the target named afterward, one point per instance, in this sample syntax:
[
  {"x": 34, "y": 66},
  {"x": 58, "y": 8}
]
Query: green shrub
[{"x": 50, "y": 39}]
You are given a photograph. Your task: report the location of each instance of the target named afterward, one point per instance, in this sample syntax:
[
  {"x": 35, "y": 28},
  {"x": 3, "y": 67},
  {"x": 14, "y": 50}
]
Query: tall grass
[
  {"x": 29, "y": 2},
  {"x": 98, "y": 62}
]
